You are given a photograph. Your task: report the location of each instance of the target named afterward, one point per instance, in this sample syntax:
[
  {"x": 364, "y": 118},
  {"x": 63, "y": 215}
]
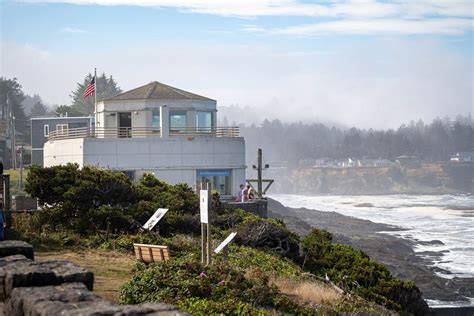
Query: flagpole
[{"x": 95, "y": 98}]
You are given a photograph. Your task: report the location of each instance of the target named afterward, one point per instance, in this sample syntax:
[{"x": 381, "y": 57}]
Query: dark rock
[
  {"x": 32, "y": 274},
  {"x": 16, "y": 247},
  {"x": 50, "y": 300},
  {"x": 127, "y": 310}
]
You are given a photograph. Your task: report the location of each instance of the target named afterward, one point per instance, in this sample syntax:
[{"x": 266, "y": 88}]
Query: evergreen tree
[
  {"x": 38, "y": 110},
  {"x": 66, "y": 110},
  {"x": 106, "y": 87},
  {"x": 12, "y": 88}
]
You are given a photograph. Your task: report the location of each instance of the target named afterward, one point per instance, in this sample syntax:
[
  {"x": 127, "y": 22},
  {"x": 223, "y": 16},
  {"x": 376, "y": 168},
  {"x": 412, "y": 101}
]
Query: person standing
[{"x": 239, "y": 194}]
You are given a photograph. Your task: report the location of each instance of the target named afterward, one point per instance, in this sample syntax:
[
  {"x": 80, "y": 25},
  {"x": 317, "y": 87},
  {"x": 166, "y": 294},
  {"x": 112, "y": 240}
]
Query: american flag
[{"x": 90, "y": 89}]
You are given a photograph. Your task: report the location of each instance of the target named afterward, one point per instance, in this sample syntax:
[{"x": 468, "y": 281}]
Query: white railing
[{"x": 141, "y": 132}]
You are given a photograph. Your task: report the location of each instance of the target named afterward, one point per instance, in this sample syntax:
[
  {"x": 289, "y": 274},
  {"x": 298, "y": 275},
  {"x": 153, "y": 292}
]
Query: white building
[{"x": 158, "y": 129}]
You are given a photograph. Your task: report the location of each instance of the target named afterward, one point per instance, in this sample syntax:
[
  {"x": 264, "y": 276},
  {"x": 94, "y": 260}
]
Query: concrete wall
[
  {"x": 61, "y": 152},
  {"x": 38, "y": 139},
  {"x": 173, "y": 159}
]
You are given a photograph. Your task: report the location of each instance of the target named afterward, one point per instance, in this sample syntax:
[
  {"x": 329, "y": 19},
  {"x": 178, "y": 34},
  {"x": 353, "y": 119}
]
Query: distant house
[
  {"x": 325, "y": 163},
  {"x": 464, "y": 156},
  {"x": 42, "y": 126},
  {"x": 407, "y": 160},
  {"x": 382, "y": 163},
  {"x": 347, "y": 163}
]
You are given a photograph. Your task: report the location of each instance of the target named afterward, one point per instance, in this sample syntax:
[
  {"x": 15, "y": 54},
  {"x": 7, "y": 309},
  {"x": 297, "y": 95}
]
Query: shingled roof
[{"x": 157, "y": 91}]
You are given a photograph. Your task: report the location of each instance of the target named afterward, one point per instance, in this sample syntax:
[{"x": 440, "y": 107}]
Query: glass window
[
  {"x": 61, "y": 129},
  {"x": 155, "y": 120},
  {"x": 177, "y": 121},
  {"x": 46, "y": 130},
  {"x": 219, "y": 179},
  {"x": 204, "y": 120}
]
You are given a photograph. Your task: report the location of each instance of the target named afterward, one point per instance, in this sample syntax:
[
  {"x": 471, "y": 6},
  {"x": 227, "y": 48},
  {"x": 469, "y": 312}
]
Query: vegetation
[
  {"x": 435, "y": 141},
  {"x": 101, "y": 208},
  {"x": 106, "y": 87}
]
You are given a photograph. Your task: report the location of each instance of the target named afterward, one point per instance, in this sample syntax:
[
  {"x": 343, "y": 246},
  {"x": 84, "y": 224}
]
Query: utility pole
[{"x": 20, "y": 183}]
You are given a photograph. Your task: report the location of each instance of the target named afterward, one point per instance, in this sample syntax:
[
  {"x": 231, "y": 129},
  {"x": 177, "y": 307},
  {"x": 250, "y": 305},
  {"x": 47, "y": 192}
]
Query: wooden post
[
  {"x": 259, "y": 173},
  {"x": 226, "y": 253},
  {"x": 203, "y": 228},
  {"x": 208, "y": 234}
]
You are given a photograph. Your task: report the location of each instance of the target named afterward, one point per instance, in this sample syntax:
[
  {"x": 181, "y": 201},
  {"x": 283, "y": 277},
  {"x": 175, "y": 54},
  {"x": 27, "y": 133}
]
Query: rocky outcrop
[
  {"x": 16, "y": 247},
  {"x": 56, "y": 287}
]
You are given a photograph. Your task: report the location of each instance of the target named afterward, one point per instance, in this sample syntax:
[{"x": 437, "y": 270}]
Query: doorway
[{"x": 125, "y": 125}]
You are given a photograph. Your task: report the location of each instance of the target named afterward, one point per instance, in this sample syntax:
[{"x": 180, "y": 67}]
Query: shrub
[
  {"x": 268, "y": 234},
  {"x": 203, "y": 290},
  {"x": 354, "y": 270}
]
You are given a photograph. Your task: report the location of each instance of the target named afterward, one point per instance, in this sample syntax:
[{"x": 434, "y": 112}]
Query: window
[
  {"x": 204, "y": 121},
  {"x": 77, "y": 125},
  {"x": 177, "y": 121},
  {"x": 155, "y": 121},
  {"x": 219, "y": 179},
  {"x": 46, "y": 130},
  {"x": 61, "y": 129}
]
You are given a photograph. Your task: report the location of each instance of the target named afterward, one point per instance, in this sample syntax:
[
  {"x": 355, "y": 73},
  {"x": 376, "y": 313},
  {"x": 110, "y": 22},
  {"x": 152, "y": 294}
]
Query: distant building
[
  {"x": 325, "y": 163},
  {"x": 382, "y": 163},
  {"x": 157, "y": 129},
  {"x": 464, "y": 156},
  {"x": 407, "y": 160},
  {"x": 41, "y": 127}
]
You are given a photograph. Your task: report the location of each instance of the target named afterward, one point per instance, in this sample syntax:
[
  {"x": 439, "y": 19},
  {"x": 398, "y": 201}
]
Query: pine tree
[{"x": 106, "y": 87}]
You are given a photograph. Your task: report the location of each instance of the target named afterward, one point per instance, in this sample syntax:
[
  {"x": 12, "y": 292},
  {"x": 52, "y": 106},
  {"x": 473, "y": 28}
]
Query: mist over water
[{"x": 436, "y": 223}]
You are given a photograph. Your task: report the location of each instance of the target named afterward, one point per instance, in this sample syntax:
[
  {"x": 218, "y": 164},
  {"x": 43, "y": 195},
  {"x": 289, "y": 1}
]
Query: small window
[
  {"x": 46, "y": 130},
  {"x": 155, "y": 121},
  {"x": 61, "y": 129}
]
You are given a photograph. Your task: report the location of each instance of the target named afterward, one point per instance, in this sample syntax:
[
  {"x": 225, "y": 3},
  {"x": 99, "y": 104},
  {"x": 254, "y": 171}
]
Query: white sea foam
[{"x": 446, "y": 218}]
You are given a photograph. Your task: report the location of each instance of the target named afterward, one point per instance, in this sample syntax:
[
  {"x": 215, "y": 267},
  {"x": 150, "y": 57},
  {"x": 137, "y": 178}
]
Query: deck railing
[{"x": 141, "y": 132}]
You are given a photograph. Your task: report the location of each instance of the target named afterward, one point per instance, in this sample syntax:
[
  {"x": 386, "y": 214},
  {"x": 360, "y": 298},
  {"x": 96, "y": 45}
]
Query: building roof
[{"x": 157, "y": 91}]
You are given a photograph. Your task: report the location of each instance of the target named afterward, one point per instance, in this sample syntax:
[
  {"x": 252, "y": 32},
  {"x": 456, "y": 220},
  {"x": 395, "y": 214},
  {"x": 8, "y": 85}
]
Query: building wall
[
  {"x": 38, "y": 139},
  {"x": 174, "y": 159}
]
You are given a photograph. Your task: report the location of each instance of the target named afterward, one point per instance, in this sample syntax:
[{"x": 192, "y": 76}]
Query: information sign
[
  {"x": 225, "y": 242},
  {"x": 155, "y": 218},
  {"x": 204, "y": 206}
]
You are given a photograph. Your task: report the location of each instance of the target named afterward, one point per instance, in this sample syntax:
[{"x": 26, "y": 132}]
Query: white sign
[
  {"x": 225, "y": 242},
  {"x": 204, "y": 206},
  {"x": 155, "y": 218}
]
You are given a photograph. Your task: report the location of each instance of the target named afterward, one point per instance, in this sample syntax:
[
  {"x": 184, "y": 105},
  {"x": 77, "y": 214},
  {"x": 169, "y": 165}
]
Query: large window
[
  {"x": 204, "y": 121},
  {"x": 155, "y": 121},
  {"x": 219, "y": 179},
  {"x": 177, "y": 121}
]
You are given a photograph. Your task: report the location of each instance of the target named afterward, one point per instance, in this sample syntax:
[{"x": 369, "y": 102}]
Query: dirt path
[{"x": 111, "y": 269}]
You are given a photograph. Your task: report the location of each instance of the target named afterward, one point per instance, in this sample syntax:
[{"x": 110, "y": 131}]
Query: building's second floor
[{"x": 154, "y": 110}]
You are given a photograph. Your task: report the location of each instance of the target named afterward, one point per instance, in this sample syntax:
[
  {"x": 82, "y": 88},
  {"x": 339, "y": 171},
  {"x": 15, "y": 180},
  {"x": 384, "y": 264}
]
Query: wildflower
[
  {"x": 203, "y": 275},
  {"x": 221, "y": 282}
]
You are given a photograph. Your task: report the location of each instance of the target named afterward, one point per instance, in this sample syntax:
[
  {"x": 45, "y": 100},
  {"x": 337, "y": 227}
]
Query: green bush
[
  {"x": 204, "y": 290},
  {"x": 355, "y": 271}
]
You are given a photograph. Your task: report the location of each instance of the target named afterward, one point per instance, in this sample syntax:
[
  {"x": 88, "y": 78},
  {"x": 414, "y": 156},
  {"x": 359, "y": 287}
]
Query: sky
[{"x": 364, "y": 63}]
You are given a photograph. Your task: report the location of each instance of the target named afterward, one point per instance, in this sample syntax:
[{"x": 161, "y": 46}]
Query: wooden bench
[{"x": 151, "y": 253}]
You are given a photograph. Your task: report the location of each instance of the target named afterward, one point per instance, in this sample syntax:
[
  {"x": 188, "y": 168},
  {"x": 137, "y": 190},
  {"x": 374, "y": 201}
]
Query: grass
[
  {"x": 15, "y": 180},
  {"x": 111, "y": 269},
  {"x": 308, "y": 291}
]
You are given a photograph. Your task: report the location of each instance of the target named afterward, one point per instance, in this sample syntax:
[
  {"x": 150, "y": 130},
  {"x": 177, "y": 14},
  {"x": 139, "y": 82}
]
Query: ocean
[{"x": 422, "y": 218}]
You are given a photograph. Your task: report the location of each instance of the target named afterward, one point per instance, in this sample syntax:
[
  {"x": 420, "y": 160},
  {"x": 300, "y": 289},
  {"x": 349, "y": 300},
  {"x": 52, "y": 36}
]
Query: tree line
[{"x": 291, "y": 142}]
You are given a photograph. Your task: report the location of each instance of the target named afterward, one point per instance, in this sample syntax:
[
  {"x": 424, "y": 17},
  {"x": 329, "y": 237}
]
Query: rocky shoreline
[{"x": 396, "y": 254}]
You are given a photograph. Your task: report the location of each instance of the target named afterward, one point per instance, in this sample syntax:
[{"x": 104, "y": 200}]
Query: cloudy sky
[{"x": 363, "y": 63}]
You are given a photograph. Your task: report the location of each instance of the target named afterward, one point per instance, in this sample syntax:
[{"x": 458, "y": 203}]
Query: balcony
[{"x": 142, "y": 132}]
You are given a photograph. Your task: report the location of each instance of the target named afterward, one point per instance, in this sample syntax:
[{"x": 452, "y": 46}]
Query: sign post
[
  {"x": 204, "y": 195},
  {"x": 155, "y": 218},
  {"x": 225, "y": 245}
]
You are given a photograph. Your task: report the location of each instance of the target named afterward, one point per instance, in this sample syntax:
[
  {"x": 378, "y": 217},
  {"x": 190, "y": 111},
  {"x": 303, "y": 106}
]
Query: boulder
[
  {"x": 43, "y": 273},
  {"x": 50, "y": 300},
  {"x": 16, "y": 247},
  {"x": 158, "y": 309}
]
